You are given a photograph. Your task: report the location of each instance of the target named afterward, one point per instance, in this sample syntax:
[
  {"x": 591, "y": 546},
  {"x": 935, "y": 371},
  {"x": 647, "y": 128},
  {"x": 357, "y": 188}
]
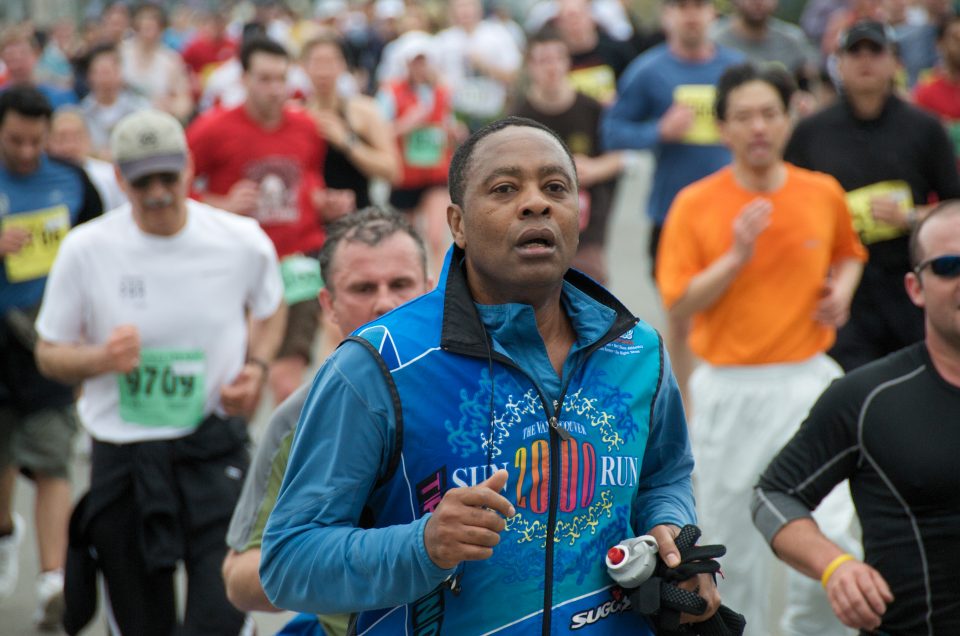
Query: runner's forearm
[
  {"x": 267, "y": 334},
  {"x": 71, "y": 363}
]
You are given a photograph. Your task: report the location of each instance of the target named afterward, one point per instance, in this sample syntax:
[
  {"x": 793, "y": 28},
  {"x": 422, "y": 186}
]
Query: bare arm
[
  {"x": 377, "y": 155},
  {"x": 711, "y": 284},
  {"x": 834, "y": 308},
  {"x": 240, "y": 397},
  {"x": 592, "y": 170},
  {"x": 267, "y": 334},
  {"x": 73, "y": 363},
  {"x": 857, "y": 592},
  {"x": 241, "y": 577}
]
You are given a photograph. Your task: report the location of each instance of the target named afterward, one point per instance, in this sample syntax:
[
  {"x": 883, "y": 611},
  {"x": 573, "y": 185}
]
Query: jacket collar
[{"x": 461, "y": 330}]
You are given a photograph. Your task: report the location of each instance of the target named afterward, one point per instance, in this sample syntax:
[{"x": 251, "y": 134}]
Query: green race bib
[
  {"x": 167, "y": 389},
  {"x": 301, "y": 278},
  {"x": 423, "y": 147}
]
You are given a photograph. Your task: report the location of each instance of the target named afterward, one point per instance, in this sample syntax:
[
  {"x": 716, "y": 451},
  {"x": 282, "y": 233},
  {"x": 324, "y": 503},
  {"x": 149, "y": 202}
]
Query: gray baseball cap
[{"x": 148, "y": 142}]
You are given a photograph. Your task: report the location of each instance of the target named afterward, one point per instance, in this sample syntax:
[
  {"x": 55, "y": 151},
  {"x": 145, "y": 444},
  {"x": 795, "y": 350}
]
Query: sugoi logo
[
  {"x": 619, "y": 603},
  {"x": 148, "y": 138}
]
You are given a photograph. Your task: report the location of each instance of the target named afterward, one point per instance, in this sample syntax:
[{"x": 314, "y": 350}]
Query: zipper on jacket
[{"x": 557, "y": 433}]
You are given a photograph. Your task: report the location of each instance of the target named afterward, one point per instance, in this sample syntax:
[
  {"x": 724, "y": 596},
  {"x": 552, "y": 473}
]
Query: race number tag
[
  {"x": 423, "y": 147},
  {"x": 47, "y": 228},
  {"x": 870, "y": 229},
  {"x": 700, "y": 99},
  {"x": 301, "y": 278},
  {"x": 598, "y": 82},
  {"x": 167, "y": 389}
]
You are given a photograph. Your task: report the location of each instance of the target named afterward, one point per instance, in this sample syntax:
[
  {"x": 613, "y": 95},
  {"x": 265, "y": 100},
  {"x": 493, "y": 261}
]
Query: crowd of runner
[{"x": 794, "y": 164}]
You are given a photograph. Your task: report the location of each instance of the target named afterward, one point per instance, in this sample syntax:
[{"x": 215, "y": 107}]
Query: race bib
[
  {"x": 870, "y": 229},
  {"x": 423, "y": 147},
  {"x": 301, "y": 278},
  {"x": 700, "y": 98},
  {"x": 598, "y": 82},
  {"x": 47, "y": 228},
  {"x": 167, "y": 389}
]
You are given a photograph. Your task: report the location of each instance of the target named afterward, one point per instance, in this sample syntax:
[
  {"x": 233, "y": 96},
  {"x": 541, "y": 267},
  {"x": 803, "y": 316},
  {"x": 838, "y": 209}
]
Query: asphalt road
[{"x": 629, "y": 280}]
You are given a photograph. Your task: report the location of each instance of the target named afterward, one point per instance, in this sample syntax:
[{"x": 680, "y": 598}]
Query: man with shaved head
[{"x": 887, "y": 427}]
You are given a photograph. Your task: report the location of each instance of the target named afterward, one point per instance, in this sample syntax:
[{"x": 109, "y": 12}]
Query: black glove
[{"x": 659, "y": 599}]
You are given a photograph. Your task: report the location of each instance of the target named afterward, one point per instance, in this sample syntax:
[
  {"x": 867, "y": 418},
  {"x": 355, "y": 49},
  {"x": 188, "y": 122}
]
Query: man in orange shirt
[{"x": 762, "y": 257}]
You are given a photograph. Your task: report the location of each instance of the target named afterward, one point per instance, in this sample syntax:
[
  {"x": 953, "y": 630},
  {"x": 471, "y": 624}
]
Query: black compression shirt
[{"x": 893, "y": 429}]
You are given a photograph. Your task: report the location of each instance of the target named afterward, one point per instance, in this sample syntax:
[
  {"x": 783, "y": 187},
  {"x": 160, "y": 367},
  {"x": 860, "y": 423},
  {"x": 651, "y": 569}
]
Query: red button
[{"x": 616, "y": 555}]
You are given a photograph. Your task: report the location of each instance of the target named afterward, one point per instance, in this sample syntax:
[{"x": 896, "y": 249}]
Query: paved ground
[{"x": 629, "y": 280}]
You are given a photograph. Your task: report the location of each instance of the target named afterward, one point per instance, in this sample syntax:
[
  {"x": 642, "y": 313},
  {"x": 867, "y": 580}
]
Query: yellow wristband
[{"x": 828, "y": 572}]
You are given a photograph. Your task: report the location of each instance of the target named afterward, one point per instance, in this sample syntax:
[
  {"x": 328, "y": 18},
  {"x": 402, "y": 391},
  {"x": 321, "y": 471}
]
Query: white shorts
[{"x": 742, "y": 416}]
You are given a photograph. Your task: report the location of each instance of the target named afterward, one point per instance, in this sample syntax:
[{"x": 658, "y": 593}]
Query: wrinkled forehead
[{"x": 504, "y": 148}]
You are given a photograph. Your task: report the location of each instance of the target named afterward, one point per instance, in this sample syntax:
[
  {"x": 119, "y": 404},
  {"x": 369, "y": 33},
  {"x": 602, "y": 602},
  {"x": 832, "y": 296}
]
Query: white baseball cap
[{"x": 148, "y": 142}]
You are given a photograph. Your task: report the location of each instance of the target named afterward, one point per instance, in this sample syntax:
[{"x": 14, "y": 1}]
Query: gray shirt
[
  {"x": 784, "y": 43},
  {"x": 259, "y": 490}
]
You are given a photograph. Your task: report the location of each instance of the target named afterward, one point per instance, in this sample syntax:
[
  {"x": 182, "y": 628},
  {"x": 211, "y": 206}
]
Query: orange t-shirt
[{"x": 766, "y": 314}]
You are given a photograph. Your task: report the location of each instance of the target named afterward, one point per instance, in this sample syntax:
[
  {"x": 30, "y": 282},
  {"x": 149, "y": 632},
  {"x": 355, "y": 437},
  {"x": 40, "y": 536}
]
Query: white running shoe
[
  {"x": 10, "y": 558},
  {"x": 50, "y": 604}
]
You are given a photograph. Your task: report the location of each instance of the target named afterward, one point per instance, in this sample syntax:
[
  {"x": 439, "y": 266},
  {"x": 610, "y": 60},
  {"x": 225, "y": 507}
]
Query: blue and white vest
[{"x": 573, "y": 468}]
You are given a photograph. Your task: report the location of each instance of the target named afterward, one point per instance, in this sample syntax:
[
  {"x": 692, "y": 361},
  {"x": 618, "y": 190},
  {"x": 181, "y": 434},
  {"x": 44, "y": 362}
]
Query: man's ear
[
  {"x": 914, "y": 288},
  {"x": 326, "y": 303},
  {"x": 455, "y": 221}
]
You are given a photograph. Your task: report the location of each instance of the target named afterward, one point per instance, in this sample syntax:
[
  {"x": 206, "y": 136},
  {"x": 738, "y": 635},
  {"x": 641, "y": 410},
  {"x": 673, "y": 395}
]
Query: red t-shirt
[
  {"x": 286, "y": 162},
  {"x": 202, "y": 52},
  {"x": 941, "y": 96}
]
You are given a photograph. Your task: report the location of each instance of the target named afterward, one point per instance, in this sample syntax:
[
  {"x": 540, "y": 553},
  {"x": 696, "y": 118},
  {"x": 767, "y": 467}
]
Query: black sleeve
[
  {"x": 92, "y": 206},
  {"x": 795, "y": 152},
  {"x": 822, "y": 453},
  {"x": 941, "y": 163}
]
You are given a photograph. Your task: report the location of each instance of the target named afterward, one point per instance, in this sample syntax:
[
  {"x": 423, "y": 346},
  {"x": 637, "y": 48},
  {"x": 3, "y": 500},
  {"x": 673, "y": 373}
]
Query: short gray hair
[{"x": 370, "y": 226}]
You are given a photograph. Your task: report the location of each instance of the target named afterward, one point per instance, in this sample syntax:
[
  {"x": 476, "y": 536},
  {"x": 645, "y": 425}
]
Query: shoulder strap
[{"x": 394, "y": 459}]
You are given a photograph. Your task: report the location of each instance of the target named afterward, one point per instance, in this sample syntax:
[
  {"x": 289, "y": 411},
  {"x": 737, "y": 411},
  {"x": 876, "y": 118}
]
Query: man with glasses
[
  {"x": 890, "y": 428},
  {"x": 169, "y": 311},
  {"x": 893, "y": 160}
]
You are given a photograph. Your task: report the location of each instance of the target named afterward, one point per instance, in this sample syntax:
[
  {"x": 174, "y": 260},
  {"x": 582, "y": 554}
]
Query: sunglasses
[
  {"x": 166, "y": 179},
  {"x": 947, "y": 266}
]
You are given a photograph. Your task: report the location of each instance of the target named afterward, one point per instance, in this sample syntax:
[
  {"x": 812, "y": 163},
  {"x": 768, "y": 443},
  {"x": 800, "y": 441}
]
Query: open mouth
[{"x": 536, "y": 241}]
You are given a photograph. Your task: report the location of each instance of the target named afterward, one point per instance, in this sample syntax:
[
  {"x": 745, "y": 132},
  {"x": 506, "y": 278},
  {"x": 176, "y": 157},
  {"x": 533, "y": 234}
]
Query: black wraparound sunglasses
[{"x": 946, "y": 266}]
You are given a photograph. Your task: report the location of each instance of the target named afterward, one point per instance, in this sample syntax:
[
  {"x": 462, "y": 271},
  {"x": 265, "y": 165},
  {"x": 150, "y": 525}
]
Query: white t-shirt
[
  {"x": 156, "y": 76},
  {"x": 475, "y": 94},
  {"x": 186, "y": 294},
  {"x": 104, "y": 179}
]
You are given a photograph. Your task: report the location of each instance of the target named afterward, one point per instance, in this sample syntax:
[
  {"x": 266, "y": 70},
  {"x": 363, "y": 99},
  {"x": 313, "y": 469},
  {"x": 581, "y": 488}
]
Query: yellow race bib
[
  {"x": 598, "y": 82},
  {"x": 870, "y": 229},
  {"x": 700, "y": 98},
  {"x": 47, "y": 228}
]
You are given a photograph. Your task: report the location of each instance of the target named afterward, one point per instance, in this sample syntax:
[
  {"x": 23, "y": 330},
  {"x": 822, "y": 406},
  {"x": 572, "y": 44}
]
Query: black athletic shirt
[
  {"x": 339, "y": 173},
  {"x": 893, "y": 429},
  {"x": 903, "y": 143}
]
